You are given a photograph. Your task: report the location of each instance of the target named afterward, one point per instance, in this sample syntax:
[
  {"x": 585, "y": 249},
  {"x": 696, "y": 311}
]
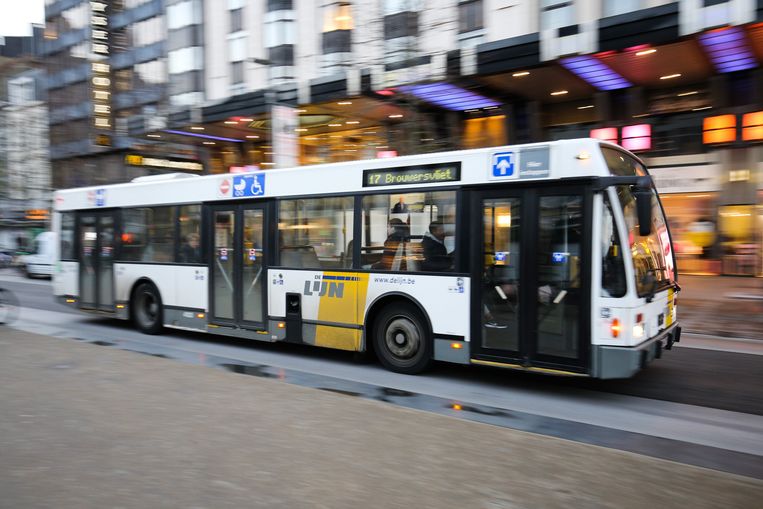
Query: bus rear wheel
[
  {"x": 147, "y": 309},
  {"x": 402, "y": 340}
]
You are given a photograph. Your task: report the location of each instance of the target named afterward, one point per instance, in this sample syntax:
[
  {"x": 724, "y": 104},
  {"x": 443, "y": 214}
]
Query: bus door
[
  {"x": 532, "y": 300},
  {"x": 237, "y": 271},
  {"x": 96, "y": 259}
]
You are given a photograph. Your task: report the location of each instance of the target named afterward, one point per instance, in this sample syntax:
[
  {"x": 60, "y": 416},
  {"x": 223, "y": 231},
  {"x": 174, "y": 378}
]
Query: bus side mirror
[{"x": 644, "y": 210}]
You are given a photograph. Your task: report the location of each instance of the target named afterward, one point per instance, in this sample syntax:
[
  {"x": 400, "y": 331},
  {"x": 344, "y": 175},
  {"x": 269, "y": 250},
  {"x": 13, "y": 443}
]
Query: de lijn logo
[
  {"x": 504, "y": 165},
  {"x": 331, "y": 286}
]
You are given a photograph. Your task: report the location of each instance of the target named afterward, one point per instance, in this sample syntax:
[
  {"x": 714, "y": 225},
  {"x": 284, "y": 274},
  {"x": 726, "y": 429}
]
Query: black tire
[
  {"x": 147, "y": 311},
  {"x": 402, "y": 341}
]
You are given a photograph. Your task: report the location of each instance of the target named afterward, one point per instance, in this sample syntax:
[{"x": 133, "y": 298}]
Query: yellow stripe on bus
[
  {"x": 346, "y": 304},
  {"x": 671, "y": 312}
]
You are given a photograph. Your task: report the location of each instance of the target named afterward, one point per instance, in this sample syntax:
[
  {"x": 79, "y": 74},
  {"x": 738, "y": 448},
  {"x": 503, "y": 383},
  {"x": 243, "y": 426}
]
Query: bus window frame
[{"x": 460, "y": 246}]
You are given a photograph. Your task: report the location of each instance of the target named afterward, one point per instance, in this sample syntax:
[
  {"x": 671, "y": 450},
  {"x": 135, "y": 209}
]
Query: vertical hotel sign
[{"x": 101, "y": 71}]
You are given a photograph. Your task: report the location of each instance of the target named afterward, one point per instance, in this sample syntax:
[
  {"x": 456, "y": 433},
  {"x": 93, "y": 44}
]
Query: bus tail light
[
  {"x": 615, "y": 327},
  {"x": 281, "y": 325},
  {"x": 456, "y": 346},
  {"x": 638, "y": 328}
]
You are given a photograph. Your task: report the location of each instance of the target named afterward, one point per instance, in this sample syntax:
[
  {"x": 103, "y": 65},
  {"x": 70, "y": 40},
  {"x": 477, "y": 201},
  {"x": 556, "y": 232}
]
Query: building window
[
  {"x": 237, "y": 72},
  {"x": 182, "y": 15},
  {"x": 401, "y": 24},
  {"x": 337, "y": 16},
  {"x": 279, "y": 5},
  {"x": 556, "y": 14},
  {"x": 236, "y": 20},
  {"x": 338, "y": 41},
  {"x": 470, "y": 16},
  {"x": 615, "y": 7}
]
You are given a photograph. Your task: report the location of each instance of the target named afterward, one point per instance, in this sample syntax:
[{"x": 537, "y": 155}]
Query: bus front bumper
[{"x": 623, "y": 361}]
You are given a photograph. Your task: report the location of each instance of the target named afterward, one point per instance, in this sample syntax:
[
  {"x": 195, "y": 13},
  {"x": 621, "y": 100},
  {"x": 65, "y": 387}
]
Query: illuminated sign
[
  {"x": 37, "y": 214},
  {"x": 752, "y": 126},
  {"x": 637, "y": 137},
  {"x": 101, "y": 70},
  {"x": 412, "y": 175},
  {"x": 156, "y": 162},
  {"x": 719, "y": 129}
]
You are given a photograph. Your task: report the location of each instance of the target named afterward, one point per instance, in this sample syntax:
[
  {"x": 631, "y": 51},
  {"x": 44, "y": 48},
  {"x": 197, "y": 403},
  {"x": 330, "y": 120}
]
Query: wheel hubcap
[{"x": 402, "y": 338}]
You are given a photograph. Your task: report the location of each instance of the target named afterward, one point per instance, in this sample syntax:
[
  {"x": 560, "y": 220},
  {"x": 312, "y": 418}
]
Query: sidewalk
[
  {"x": 721, "y": 306},
  {"x": 85, "y": 426}
]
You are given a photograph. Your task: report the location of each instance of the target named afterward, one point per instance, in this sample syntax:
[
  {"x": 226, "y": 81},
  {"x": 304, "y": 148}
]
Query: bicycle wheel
[{"x": 9, "y": 307}]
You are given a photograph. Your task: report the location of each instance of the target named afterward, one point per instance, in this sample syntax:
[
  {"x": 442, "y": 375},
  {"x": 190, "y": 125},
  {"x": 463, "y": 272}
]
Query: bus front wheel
[
  {"x": 147, "y": 309},
  {"x": 401, "y": 339}
]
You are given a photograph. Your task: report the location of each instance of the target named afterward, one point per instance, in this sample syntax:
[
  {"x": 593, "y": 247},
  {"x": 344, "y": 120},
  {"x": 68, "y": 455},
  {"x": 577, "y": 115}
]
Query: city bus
[{"x": 550, "y": 257}]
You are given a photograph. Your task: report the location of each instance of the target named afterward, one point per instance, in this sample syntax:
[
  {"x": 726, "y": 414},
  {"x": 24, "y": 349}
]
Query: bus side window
[{"x": 612, "y": 268}]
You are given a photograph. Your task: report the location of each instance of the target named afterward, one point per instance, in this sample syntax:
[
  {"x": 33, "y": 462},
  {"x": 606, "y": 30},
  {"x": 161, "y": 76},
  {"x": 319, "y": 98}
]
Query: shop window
[
  {"x": 316, "y": 233},
  {"x": 409, "y": 232},
  {"x": 485, "y": 132},
  {"x": 148, "y": 234},
  {"x": 470, "y": 16}
]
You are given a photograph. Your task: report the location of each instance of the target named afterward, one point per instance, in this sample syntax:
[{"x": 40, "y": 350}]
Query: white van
[{"x": 41, "y": 261}]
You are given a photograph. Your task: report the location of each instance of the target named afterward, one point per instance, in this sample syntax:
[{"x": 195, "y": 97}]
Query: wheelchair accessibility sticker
[
  {"x": 504, "y": 165},
  {"x": 249, "y": 185}
]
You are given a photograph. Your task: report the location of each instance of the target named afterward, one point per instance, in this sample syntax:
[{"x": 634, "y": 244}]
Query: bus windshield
[{"x": 652, "y": 254}]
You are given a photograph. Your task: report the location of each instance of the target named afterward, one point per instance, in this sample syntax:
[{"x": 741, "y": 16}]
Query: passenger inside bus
[
  {"x": 436, "y": 256},
  {"x": 189, "y": 251}
]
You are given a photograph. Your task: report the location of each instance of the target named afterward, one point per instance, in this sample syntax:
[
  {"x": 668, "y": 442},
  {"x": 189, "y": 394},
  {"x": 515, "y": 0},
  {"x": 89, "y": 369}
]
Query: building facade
[
  {"x": 25, "y": 188},
  {"x": 678, "y": 82},
  {"x": 107, "y": 66}
]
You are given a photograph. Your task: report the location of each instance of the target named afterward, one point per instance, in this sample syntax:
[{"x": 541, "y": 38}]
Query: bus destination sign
[{"x": 412, "y": 175}]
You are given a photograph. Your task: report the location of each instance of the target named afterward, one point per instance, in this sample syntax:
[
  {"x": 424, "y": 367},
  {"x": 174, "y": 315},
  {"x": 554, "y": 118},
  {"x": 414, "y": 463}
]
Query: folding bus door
[
  {"x": 530, "y": 302},
  {"x": 237, "y": 271},
  {"x": 96, "y": 257}
]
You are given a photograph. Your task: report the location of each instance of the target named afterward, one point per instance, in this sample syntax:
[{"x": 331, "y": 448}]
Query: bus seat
[{"x": 300, "y": 256}]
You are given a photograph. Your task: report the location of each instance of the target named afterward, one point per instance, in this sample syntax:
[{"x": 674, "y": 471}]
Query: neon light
[
  {"x": 449, "y": 96},
  {"x": 595, "y": 72},
  {"x": 728, "y": 49},
  {"x": 205, "y": 136}
]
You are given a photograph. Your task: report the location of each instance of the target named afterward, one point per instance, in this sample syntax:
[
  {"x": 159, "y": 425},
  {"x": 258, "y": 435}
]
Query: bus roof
[{"x": 531, "y": 162}]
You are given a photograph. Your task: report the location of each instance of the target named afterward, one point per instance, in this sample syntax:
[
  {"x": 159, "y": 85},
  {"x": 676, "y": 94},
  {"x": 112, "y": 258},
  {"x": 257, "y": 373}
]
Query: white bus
[{"x": 552, "y": 257}]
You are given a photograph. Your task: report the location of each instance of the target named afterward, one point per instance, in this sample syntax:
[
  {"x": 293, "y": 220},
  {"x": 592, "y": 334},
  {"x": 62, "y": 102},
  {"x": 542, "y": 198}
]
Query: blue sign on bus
[{"x": 249, "y": 185}]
